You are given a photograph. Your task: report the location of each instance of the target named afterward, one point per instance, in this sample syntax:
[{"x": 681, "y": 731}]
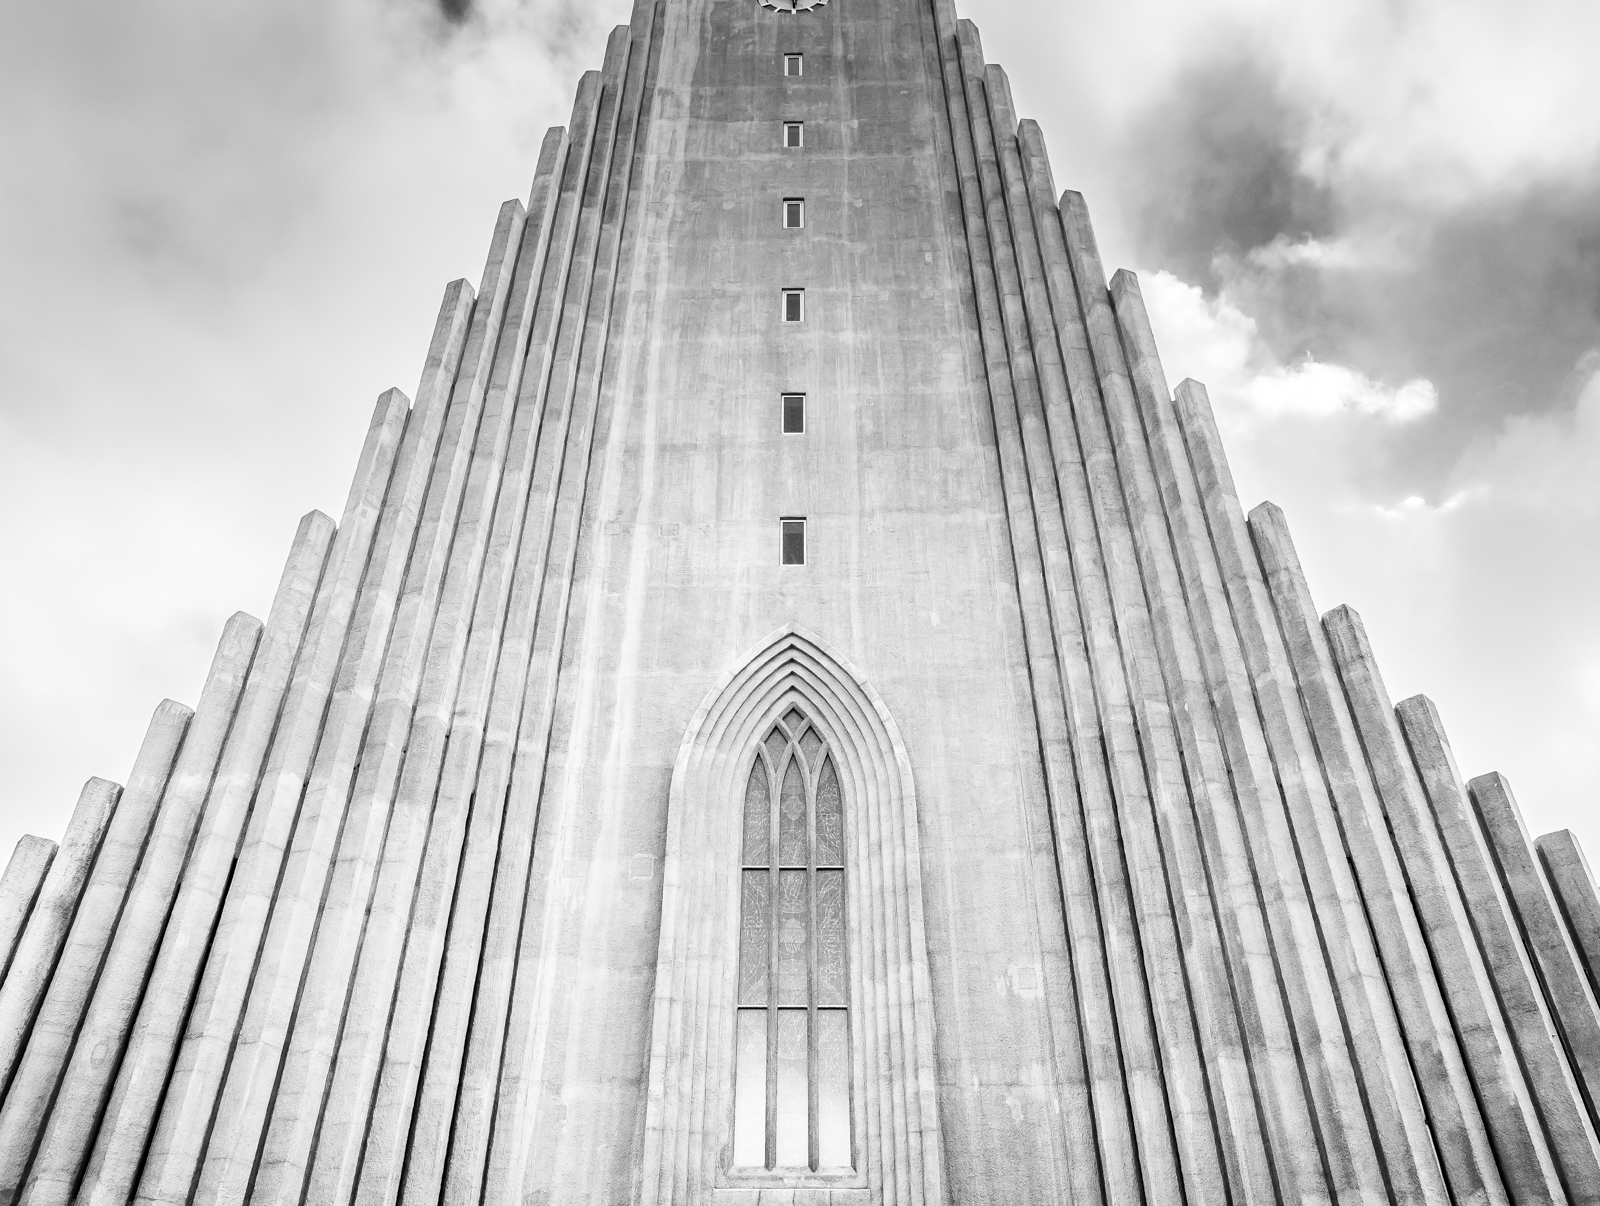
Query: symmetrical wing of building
[{"x": 794, "y": 712}]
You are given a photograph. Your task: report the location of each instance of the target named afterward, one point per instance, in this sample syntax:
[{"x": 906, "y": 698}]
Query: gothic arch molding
[{"x": 899, "y": 1152}]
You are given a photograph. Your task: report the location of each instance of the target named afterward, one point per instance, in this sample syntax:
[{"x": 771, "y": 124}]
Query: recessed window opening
[
  {"x": 794, "y": 305},
  {"x": 794, "y": 213},
  {"x": 794, "y": 64},
  {"x": 794, "y": 414},
  {"x": 794, "y": 541},
  {"x": 792, "y": 1062},
  {"x": 794, "y": 134}
]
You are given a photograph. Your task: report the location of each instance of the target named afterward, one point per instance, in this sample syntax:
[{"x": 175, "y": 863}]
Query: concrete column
[
  {"x": 1263, "y": 681},
  {"x": 1558, "y": 1100},
  {"x": 1567, "y": 993},
  {"x": 19, "y": 889},
  {"x": 1436, "y": 1060},
  {"x": 346, "y": 1013},
  {"x": 1275, "y": 794},
  {"x": 37, "y": 1074},
  {"x": 141, "y": 1078},
  {"x": 1199, "y": 1029},
  {"x": 96, "y": 1054},
  {"x": 324, "y": 892},
  {"x": 380, "y": 1152},
  {"x": 1509, "y": 1112},
  {"x": 318, "y": 736},
  {"x": 1139, "y": 727},
  {"x": 46, "y": 932},
  {"x": 1287, "y": 1116},
  {"x": 1569, "y": 877}
]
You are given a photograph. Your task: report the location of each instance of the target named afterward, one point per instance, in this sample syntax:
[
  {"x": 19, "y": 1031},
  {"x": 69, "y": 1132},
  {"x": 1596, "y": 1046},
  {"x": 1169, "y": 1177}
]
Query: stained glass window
[{"x": 791, "y": 1099}]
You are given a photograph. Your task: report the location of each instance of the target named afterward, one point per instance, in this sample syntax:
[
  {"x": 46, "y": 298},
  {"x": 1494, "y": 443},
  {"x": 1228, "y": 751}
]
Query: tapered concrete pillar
[
  {"x": 1387, "y": 1088},
  {"x": 38, "y": 1073},
  {"x": 1509, "y": 1110},
  {"x": 87, "y": 1080},
  {"x": 46, "y": 932},
  {"x": 1436, "y": 1060},
  {"x": 1569, "y": 877},
  {"x": 326, "y": 1085},
  {"x": 1561, "y": 972},
  {"x": 141, "y": 1079},
  {"x": 19, "y": 889},
  {"x": 1528, "y": 1020}
]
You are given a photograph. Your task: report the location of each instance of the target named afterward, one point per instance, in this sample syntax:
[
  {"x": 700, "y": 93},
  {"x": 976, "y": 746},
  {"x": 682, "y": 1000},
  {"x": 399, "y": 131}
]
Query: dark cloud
[
  {"x": 1213, "y": 170},
  {"x": 456, "y": 10},
  {"x": 1496, "y": 300}
]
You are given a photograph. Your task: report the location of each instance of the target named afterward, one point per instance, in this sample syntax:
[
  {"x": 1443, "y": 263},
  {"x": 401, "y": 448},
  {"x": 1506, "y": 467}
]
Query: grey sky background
[{"x": 1372, "y": 228}]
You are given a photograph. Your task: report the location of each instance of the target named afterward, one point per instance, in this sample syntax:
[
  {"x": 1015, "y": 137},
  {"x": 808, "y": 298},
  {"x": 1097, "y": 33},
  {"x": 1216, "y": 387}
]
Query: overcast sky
[{"x": 1372, "y": 227}]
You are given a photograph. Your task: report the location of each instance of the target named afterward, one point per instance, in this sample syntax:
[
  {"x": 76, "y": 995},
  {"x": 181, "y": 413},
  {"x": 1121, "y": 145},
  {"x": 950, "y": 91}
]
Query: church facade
[{"x": 794, "y": 713}]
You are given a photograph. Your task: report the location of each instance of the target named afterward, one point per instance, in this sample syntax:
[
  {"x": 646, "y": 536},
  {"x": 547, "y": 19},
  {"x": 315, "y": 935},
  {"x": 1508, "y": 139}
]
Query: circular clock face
[{"x": 793, "y": 6}]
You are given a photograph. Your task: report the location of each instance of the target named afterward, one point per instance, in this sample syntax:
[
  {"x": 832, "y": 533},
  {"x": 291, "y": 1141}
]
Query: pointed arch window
[{"x": 792, "y": 1101}]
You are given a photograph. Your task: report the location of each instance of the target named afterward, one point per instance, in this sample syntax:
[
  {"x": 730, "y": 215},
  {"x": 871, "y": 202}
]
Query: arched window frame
[{"x": 687, "y": 1157}]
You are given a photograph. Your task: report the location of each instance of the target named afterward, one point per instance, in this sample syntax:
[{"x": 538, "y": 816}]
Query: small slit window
[
  {"x": 794, "y": 305},
  {"x": 794, "y": 541},
  {"x": 794, "y": 213},
  {"x": 794, "y": 64},
  {"x": 794, "y": 133},
  {"x": 794, "y": 414}
]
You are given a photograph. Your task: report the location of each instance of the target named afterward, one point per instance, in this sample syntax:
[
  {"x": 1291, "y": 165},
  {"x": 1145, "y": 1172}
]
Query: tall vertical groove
[{"x": 19, "y": 891}]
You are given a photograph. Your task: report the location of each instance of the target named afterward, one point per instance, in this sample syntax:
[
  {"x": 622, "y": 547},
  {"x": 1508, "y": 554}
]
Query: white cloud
[{"x": 1213, "y": 341}]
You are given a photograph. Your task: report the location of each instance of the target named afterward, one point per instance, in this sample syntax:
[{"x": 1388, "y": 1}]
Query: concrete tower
[{"x": 794, "y": 713}]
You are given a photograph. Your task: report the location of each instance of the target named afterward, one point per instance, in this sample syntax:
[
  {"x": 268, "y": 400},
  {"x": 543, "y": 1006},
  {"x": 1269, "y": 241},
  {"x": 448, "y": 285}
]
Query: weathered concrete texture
[
  {"x": 1562, "y": 977},
  {"x": 1569, "y": 877},
  {"x": 34, "y": 963},
  {"x": 1151, "y": 894},
  {"x": 37, "y": 1075},
  {"x": 19, "y": 890}
]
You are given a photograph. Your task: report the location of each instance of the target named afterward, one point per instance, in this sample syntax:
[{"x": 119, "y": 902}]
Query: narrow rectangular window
[
  {"x": 794, "y": 64},
  {"x": 794, "y": 213},
  {"x": 794, "y": 541},
  {"x": 794, "y": 414},
  {"x": 794, "y": 134},
  {"x": 794, "y": 305}
]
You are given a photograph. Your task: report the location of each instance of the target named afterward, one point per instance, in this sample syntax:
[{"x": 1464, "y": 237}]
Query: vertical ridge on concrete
[
  {"x": 1509, "y": 1113},
  {"x": 1544, "y": 934},
  {"x": 1034, "y": 376},
  {"x": 387, "y": 1142},
  {"x": 1127, "y": 1034},
  {"x": 25, "y": 1100},
  {"x": 349, "y": 992},
  {"x": 46, "y": 934},
  {"x": 1526, "y": 1013},
  {"x": 325, "y": 890},
  {"x": 1573, "y": 884},
  {"x": 19, "y": 890},
  {"x": 1101, "y": 1135},
  {"x": 1295, "y": 1137},
  {"x": 1437, "y": 1063},
  {"x": 1141, "y": 752},
  {"x": 494, "y": 1159},
  {"x": 157, "y": 1026},
  {"x": 326, "y": 1147},
  {"x": 417, "y": 1091},
  {"x": 1395, "y": 1111},
  {"x": 87, "y": 1079}
]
